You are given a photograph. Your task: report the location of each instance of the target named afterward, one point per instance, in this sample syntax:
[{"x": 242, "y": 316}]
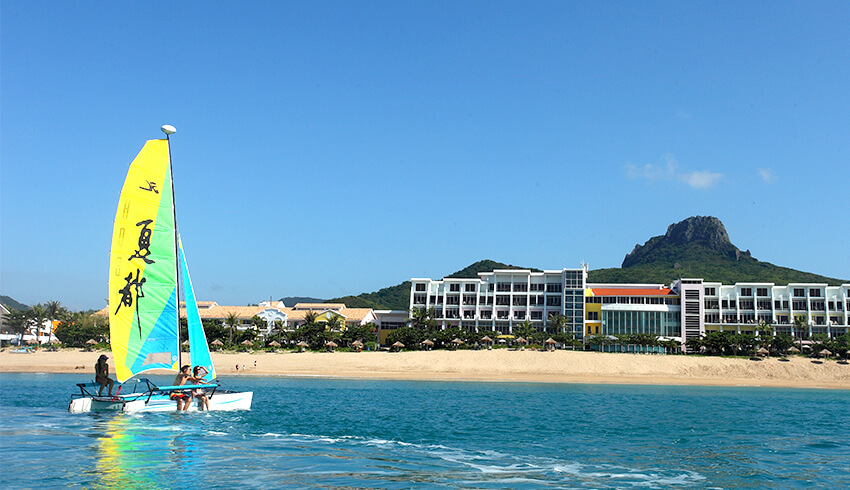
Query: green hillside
[{"x": 11, "y": 304}]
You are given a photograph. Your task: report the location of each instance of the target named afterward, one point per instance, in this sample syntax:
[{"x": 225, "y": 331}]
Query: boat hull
[{"x": 220, "y": 401}]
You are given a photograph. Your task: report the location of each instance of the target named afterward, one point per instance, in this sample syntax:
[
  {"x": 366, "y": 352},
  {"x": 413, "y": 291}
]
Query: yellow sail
[{"x": 143, "y": 321}]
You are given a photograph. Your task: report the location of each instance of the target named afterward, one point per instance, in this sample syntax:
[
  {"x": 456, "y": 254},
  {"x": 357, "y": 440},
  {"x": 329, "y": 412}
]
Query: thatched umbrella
[
  {"x": 274, "y": 343},
  {"x": 302, "y": 345},
  {"x": 398, "y": 346},
  {"x": 217, "y": 343},
  {"x": 486, "y": 339},
  {"x": 358, "y": 346},
  {"x": 550, "y": 343},
  {"x": 793, "y": 350},
  {"x": 456, "y": 341},
  {"x": 825, "y": 353},
  {"x": 521, "y": 341},
  {"x": 428, "y": 344},
  {"x": 91, "y": 342},
  {"x": 763, "y": 352},
  {"x": 247, "y": 343},
  {"x": 331, "y": 345}
]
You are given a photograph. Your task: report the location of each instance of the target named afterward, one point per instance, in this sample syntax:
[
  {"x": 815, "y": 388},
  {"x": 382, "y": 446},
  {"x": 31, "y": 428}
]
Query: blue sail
[{"x": 198, "y": 347}]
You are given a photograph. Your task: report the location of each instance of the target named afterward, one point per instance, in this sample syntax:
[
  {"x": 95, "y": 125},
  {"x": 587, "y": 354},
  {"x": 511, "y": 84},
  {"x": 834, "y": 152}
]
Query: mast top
[{"x": 168, "y": 129}]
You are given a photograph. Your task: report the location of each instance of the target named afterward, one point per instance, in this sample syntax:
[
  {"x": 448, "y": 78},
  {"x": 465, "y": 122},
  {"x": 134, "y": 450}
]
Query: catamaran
[{"x": 144, "y": 312}]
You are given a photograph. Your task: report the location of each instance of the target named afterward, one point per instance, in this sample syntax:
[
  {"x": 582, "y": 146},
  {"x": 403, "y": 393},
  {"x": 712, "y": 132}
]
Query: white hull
[{"x": 159, "y": 403}]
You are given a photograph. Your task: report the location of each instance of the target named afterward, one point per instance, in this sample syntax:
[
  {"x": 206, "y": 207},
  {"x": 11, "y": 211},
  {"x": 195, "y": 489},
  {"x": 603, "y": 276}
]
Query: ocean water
[{"x": 336, "y": 433}]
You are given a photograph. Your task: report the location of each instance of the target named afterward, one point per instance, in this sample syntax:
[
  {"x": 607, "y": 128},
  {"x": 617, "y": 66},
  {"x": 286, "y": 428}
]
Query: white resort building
[{"x": 688, "y": 308}]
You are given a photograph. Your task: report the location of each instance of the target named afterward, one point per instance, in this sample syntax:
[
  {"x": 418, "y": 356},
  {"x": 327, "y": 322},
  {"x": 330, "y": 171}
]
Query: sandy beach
[{"x": 494, "y": 365}]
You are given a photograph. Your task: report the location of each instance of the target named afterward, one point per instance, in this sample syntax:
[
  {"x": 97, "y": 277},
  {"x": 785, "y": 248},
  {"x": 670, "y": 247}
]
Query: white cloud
[
  {"x": 767, "y": 175},
  {"x": 701, "y": 180},
  {"x": 669, "y": 170}
]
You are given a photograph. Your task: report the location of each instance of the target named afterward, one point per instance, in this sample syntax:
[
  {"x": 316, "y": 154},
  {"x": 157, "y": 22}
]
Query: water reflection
[{"x": 133, "y": 453}]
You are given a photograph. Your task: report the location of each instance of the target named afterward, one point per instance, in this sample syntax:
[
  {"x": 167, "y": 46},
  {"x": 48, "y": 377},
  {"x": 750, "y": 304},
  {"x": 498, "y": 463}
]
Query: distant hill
[
  {"x": 698, "y": 246},
  {"x": 291, "y": 301},
  {"x": 398, "y": 297},
  {"x": 11, "y": 304}
]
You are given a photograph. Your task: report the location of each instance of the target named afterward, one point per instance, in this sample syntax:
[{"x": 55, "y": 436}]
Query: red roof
[{"x": 632, "y": 292}]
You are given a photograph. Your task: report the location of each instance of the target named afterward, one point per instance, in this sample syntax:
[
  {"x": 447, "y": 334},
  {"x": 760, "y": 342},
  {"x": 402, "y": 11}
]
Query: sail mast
[{"x": 169, "y": 130}]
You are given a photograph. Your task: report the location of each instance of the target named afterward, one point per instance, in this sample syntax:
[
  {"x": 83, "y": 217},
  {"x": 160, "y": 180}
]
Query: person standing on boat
[
  {"x": 183, "y": 399},
  {"x": 101, "y": 375}
]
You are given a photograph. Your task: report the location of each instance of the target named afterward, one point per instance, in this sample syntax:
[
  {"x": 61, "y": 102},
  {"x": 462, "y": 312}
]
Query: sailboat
[{"x": 144, "y": 286}]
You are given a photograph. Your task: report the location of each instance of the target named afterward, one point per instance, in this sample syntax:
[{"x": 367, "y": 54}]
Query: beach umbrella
[
  {"x": 217, "y": 342},
  {"x": 246, "y": 343},
  {"x": 274, "y": 343},
  {"x": 825, "y": 353},
  {"x": 550, "y": 340},
  {"x": 486, "y": 339},
  {"x": 302, "y": 344},
  {"x": 357, "y": 343},
  {"x": 398, "y": 346},
  {"x": 426, "y": 342},
  {"x": 457, "y": 341},
  {"x": 763, "y": 352},
  {"x": 794, "y": 350},
  {"x": 331, "y": 345},
  {"x": 91, "y": 342},
  {"x": 521, "y": 341}
]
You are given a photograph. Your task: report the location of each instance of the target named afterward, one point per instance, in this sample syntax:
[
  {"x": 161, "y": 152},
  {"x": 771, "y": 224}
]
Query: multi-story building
[{"x": 502, "y": 299}]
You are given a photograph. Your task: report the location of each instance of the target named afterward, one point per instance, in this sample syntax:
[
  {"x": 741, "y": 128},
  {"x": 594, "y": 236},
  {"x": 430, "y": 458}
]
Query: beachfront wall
[{"x": 503, "y": 299}]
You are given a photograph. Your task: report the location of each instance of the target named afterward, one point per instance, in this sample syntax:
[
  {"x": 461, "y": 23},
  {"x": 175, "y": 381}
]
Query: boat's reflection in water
[{"x": 145, "y": 451}]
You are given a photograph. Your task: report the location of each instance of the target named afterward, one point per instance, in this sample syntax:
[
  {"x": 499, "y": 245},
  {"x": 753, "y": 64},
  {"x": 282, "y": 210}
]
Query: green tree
[
  {"x": 781, "y": 342},
  {"x": 36, "y": 316},
  {"x": 409, "y": 336},
  {"x": 557, "y": 324},
  {"x": 365, "y": 333},
  {"x": 525, "y": 329},
  {"x": 422, "y": 319},
  {"x": 599, "y": 341},
  {"x": 231, "y": 320}
]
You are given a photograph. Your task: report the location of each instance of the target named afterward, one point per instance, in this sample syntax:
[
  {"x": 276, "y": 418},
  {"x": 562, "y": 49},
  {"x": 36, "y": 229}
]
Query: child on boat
[{"x": 199, "y": 393}]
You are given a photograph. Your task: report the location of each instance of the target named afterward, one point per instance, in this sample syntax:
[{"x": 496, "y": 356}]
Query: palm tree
[
  {"x": 557, "y": 323},
  {"x": 525, "y": 329},
  {"x": 37, "y": 316},
  {"x": 422, "y": 319},
  {"x": 232, "y": 319},
  {"x": 54, "y": 310}
]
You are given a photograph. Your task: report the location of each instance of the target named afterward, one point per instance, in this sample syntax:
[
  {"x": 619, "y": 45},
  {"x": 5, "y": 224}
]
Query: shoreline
[{"x": 497, "y": 365}]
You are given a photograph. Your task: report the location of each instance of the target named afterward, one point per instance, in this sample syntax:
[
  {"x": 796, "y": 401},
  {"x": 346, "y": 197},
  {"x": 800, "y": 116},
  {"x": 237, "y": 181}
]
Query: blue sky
[{"x": 333, "y": 148}]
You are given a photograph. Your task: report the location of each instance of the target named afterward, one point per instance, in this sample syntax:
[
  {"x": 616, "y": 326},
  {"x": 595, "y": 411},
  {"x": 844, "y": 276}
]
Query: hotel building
[{"x": 688, "y": 308}]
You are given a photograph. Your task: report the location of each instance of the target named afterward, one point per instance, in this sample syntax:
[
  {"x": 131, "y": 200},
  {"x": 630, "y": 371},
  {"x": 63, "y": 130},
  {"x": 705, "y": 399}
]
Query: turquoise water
[{"x": 331, "y": 433}]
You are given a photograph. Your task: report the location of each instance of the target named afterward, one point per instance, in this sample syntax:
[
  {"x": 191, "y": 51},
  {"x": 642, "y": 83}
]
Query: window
[
  {"x": 537, "y": 287},
  {"x": 710, "y": 292},
  {"x": 815, "y": 293},
  {"x": 553, "y": 288},
  {"x": 469, "y": 299},
  {"x": 553, "y": 301},
  {"x": 454, "y": 287},
  {"x": 520, "y": 287},
  {"x": 519, "y": 315},
  {"x": 519, "y": 300},
  {"x": 636, "y": 300},
  {"x": 470, "y": 288},
  {"x": 777, "y": 304},
  {"x": 593, "y": 299},
  {"x": 503, "y": 286},
  {"x": 746, "y": 304},
  {"x": 761, "y": 292},
  {"x": 486, "y": 315},
  {"x": 763, "y": 304},
  {"x": 419, "y": 299},
  {"x": 503, "y": 300},
  {"x": 453, "y": 300},
  {"x": 817, "y": 305},
  {"x": 536, "y": 315},
  {"x": 593, "y": 316},
  {"x": 799, "y": 293},
  {"x": 420, "y": 287},
  {"x": 746, "y": 291},
  {"x": 798, "y": 305}
]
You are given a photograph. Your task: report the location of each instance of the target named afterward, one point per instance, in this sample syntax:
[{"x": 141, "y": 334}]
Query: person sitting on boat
[
  {"x": 183, "y": 399},
  {"x": 101, "y": 375},
  {"x": 199, "y": 372}
]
